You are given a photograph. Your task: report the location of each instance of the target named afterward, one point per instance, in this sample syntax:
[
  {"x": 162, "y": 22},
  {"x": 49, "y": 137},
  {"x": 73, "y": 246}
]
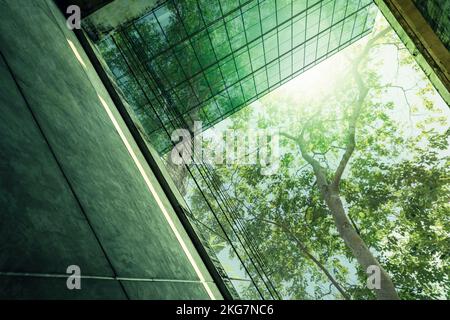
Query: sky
[{"x": 408, "y": 108}]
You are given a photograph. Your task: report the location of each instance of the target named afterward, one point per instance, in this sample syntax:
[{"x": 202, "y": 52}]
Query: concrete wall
[{"x": 71, "y": 190}]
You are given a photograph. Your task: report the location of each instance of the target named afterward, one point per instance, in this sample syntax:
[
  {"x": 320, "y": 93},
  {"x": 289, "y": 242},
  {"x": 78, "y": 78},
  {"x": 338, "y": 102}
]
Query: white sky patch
[{"x": 316, "y": 83}]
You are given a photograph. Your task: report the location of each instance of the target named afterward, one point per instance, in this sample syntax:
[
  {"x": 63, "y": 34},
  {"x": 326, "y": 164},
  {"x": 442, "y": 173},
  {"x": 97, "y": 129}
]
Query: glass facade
[
  {"x": 191, "y": 60},
  {"x": 205, "y": 59}
]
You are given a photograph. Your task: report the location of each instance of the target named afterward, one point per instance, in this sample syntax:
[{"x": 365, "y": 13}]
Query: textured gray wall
[{"x": 70, "y": 191}]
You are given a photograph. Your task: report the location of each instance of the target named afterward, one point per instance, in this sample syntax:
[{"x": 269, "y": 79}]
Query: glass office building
[
  {"x": 202, "y": 60},
  {"x": 205, "y": 59},
  {"x": 86, "y": 122}
]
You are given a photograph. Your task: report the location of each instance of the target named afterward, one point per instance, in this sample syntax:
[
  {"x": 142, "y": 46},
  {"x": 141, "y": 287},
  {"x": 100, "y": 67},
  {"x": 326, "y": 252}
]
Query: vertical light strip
[
  {"x": 158, "y": 199},
  {"x": 77, "y": 54}
]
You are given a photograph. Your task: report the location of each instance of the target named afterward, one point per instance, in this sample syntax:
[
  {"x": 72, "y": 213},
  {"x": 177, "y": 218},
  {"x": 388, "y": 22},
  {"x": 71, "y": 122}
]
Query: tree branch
[
  {"x": 362, "y": 94},
  {"x": 306, "y": 252},
  {"x": 317, "y": 167}
]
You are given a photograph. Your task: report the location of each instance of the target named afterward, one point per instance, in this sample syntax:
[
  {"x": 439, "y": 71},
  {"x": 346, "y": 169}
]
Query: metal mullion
[
  {"x": 263, "y": 45},
  {"x": 225, "y": 198},
  {"x": 254, "y": 40},
  {"x": 356, "y": 18},
  {"x": 365, "y": 21},
  {"x": 332, "y": 19},
  {"x": 264, "y": 91},
  {"x": 121, "y": 76},
  {"x": 232, "y": 54},
  {"x": 284, "y": 54},
  {"x": 306, "y": 31},
  {"x": 165, "y": 129},
  {"x": 232, "y": 213},
  {"x": 253, "y": 247},
  {"x": 176, "y": 57},
  {"x": 248, "y": 51},
  {"x": 351, "y": 41},
  {"x": 228, "y": 220},
  {"x": 278, "y": 38},
  {"x": 139, "y": 84},
  {"x": 318, "y": 29},
  {"x": 171, "y": 46},
  {"x": 196, "y": 56},
  {"x": 130, "y": 63},
  {"x": 292, "y": 37},
  {"x": 169, "y": 91},
  {"x": 343, "y": 22},
  {"x": 215, "y": 55},
  {"x": 205, "y": 115},
  {"x": 163, "y": 97},
  {"x": 291, "y": 76},
  {"x": 146, "y": 111},
  {"x": 232, "y": 222}
]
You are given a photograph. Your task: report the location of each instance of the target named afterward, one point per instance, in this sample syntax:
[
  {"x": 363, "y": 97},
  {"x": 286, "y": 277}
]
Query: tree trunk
[
  {"x": 354, "y": 242},
  {"x": 330, "y": 191}
]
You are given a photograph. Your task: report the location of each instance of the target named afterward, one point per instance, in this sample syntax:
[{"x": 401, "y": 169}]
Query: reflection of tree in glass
[{"x": 354, "y": 189}]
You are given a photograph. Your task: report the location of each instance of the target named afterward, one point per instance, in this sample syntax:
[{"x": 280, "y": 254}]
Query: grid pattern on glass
[{"x": 208, "y": 58}]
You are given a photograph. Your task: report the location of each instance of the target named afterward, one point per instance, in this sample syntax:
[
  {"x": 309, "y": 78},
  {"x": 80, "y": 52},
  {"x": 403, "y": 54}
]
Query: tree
[{"x": 351, "y": 187}]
